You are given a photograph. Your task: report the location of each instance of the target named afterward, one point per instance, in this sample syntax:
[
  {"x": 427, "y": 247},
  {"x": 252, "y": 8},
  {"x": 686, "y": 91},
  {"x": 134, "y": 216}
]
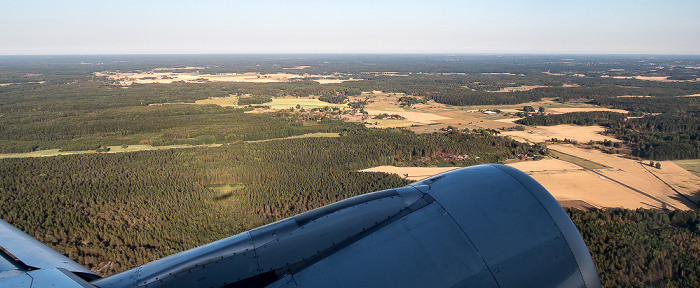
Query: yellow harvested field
[
  {"x": 643, "y": 178},
  {"x": 518, "y": 88},
  {"x": 412, "y": 116},
  {"x": 571, "y": 185},
  {"x": 507, "y": 120},
  {"x": 684, "y": 181},
  {"x": 152, "y": 77},
  {"x": 569, "y": 110},
  {"x": 414, "y": 173},
  {"x": 575, "y": 132},
  {"x": 461, "y": 115},
  {"x": 544, "y": 165},
  {"x": 562, "y": 110},
  {"x": 387, "y": 123},
  {"x": 333, "y": 80},
  {"x": 296, "y": 67},
  {"x": 565, "y": 181},
  {"x": 550, "y": 106},
  {"x": 306, "y": 103},
  {"x": 591, "y": 188},
  {"x": 221, "y": 101},
  {"x": 651, "y": 78}
]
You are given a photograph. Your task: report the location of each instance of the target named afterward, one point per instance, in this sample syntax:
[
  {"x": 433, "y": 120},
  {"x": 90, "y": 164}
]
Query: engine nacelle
[{"x": 481, "y": 226}]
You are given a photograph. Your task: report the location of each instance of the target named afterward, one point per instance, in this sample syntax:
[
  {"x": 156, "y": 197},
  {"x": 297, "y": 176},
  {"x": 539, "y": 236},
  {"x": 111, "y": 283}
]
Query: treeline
[
  {"x": 111, "y": 212},
  {"x": 255, "y": 100},
  {"x": 338, "y": 95},
  {"x": 642, "y": 248},
  {"x": 661, "y": 137},
  {"x": 652, "y": 104},
  {"x": 154, "y": 125},
  {"x": 335, "y": 99},
  {"x": 446, "y": 89},
  {"x": 667, "y": 136},
  {"x": 88, "y": 96},
  {"x": 603, "y": 118},
  {"x": 531, "y": 65}
]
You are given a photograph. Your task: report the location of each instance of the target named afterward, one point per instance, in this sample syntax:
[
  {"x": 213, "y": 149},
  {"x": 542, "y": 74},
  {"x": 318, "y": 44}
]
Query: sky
[{"x": 49, "y": 27}]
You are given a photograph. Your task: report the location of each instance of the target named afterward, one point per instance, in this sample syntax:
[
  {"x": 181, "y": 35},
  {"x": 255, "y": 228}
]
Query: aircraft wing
[
  {"x": 26, "y": 262},
  {"x": 480, "y": 226}
]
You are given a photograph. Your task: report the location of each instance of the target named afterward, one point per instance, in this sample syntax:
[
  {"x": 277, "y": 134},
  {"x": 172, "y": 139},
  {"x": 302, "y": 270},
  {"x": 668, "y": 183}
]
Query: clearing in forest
[
  {"x": 141, "y": 147},
  {"x": 112, "y": 149},
  {"x": 518, "y": 88},
  {"x": 306, "y": 103},
  {"x": 581, "y": 134},
  {"x": 310, "y": 135},
  {"x": 224, "y": 191},
  {"x": 221, "y": 101}
]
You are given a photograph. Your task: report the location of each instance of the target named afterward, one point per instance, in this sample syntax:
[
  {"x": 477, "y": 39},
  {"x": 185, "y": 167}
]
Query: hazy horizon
[{"x": 210, "y": 27}]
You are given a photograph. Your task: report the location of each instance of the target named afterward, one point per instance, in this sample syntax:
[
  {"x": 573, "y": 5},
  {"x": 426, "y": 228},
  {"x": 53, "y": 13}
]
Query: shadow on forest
[{"x": 224, "y": 196}]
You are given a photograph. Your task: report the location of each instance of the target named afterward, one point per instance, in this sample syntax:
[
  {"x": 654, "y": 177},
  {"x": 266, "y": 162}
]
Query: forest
[
  {"x": 642, "y": 248},
  {"x": 130, "y": 208},
  {"x": 602, "y": 118},
  {"x": 113, "y": 211},
  {"x": 667, "y": 136}
]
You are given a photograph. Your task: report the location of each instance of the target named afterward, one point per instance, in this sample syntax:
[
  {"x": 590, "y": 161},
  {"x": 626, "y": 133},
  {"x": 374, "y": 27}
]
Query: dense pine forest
[
  {"x": 642, "y": 248},
  {"x": 667, "y": 136},
  {"x": 130, "y": 208},
  {"x": 578, "y": 118},
  {"x": 113, "y": 211}
]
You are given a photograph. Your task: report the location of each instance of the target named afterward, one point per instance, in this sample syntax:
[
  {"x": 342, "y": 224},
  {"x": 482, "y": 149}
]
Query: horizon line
[{"x": 359, "y": 53}]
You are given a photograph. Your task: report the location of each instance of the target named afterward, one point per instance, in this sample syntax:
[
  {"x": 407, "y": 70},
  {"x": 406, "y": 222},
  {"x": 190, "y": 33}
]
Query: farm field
[
  {"x": 639, "y": 176},
  {"x": 134, "y": 148},
  {"x": 112, "y": 149},
  {"x": 152, "y": 77},
  {"x": 410, "y": 173},
  {"x": 574, "y": 132},
  {"x": 518, "y": 88},
  {"x": 306, "y": 103},
  {"x": 160, "y": 200},
  {"x": 573, "y": 185},
  {"x": 439, "y": 116},
  {"x": 691, "y": 165},
  {"x": 311, "y": 135},
  {"x": 221, "y": 101},
  {"x": 431, "y": 116}
]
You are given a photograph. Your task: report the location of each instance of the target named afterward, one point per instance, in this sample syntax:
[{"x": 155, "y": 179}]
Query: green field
[
  {"x": 224, "y": 191},
  {"x": 43, "y": 153},
  {"x": 310, "y": 135},
  {"x": 692, "y": 165},
  {"x": 134, "y": 148},
  {"x": 576, "y": 160},
  {"x": 112, "y": 149}
]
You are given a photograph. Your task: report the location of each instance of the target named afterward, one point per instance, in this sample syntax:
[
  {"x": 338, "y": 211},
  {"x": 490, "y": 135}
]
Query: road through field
[{"x": 625, "y": 183}]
